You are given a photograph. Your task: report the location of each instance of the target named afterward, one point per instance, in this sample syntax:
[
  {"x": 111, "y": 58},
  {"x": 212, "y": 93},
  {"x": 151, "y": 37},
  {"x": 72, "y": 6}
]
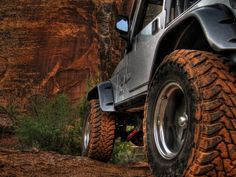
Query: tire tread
[
  {"x": 102, "y": 134},
  {"x": 215, "y": 85}
]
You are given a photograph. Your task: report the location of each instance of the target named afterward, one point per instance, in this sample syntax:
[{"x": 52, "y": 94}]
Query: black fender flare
[
  {"x": 104, "y": 93},
  {"x": 217, "y": 23}
]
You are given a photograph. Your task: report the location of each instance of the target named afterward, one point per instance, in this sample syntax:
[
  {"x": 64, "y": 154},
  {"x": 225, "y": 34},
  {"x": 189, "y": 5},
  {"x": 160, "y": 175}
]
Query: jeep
[{"x": 175, "y": 86}]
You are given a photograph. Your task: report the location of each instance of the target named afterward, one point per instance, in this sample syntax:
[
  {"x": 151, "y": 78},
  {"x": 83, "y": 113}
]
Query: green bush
[
  {"x": 126, "y": 152},
  {"x": 83, "y": 109},
  {"x": 84, "y": 106},
  {"x": 51, "y": 125},
  {"x": 11, "y": 110}
]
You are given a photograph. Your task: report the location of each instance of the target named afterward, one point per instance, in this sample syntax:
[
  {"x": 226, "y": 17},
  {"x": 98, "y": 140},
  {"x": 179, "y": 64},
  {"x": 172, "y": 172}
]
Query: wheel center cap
[{"x": 183, "y": 121}]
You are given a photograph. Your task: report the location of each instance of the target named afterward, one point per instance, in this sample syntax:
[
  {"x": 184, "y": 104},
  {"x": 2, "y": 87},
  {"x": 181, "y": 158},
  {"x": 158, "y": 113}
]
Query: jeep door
[
  {"x": 119, "y": 77},
  {"x": 140, "y": 58}
]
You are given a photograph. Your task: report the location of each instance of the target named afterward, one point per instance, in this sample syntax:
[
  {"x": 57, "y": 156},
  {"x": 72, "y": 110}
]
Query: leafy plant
[
  {"x": 83, "y": 106},
  {"x": 126, "y": 152},
  {"x": 50, "y": 124},
  {"x": 11, "y": 110}
]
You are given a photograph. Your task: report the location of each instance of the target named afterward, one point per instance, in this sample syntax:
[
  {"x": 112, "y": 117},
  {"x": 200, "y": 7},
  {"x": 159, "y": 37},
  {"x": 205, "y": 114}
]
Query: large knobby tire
[
  {"x": 98, "y": 133},
  {"x": 190, "y": 116}
]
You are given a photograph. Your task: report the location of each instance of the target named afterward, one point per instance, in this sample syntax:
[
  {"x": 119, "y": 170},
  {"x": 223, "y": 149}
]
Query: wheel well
[
  {"x": 187, "y": 35},
  {"x": 93, "y": 94}
]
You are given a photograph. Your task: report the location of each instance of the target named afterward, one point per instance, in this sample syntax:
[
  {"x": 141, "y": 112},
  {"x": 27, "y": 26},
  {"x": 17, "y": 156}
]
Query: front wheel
[
  {"x": 98, "y": 133},
  {"x": 189, "y": 117}
]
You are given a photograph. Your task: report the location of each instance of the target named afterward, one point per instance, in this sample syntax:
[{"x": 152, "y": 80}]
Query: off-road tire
[
  {"x": 102, "y": 133},
  {"x": 210, "y": 85}
]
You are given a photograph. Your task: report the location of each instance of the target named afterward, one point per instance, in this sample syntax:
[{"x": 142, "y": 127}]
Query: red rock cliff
[{"x": 50, "y": 47}]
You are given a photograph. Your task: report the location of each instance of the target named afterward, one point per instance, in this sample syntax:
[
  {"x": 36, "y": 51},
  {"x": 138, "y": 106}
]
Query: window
[
  {"x": 152, "y": 11},
  {"x": 179, "y": 6}
]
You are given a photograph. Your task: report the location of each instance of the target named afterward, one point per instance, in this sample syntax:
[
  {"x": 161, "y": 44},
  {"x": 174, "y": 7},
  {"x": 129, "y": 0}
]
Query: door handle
[{"x": 155, "y": 26}]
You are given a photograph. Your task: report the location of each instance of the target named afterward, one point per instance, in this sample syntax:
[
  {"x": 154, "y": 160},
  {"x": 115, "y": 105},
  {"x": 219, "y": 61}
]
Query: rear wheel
[
  {"x": 189, "y": 117},
  {"x": 98, "y": 133}
]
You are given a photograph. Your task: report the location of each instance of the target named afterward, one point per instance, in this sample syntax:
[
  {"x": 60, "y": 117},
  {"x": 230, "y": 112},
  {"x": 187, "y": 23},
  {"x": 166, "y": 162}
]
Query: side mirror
[{"x": 122, "y": 25}]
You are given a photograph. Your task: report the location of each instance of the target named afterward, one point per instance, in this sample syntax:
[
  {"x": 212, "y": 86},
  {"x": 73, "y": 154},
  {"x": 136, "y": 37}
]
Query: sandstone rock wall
[
  {"x": 50, "y": 47},
  {"x": 110, "y": 46}
]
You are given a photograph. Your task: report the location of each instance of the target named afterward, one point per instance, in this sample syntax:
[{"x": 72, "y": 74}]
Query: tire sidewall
[
  {"x": 176, "y": 166},
  {"x": 84, "y": 151}
]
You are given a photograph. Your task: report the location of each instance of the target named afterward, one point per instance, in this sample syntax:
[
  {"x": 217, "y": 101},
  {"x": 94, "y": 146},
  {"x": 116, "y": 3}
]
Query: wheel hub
[
  {"x": 170, "y": 121},
  {"x": 86, "y": 135},
  {"x": 183, "y": 121}
]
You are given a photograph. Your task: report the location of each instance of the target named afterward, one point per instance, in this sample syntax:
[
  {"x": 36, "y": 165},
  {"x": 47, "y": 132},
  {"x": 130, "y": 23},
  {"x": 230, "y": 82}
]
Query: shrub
[
  {"x": 126, "y": 152},
  {"x": 11, "y": 110},
  {"x": 83, "y": 109},
  {"x": 50, "y": 124},
  {"x": 84, "y": 106}
]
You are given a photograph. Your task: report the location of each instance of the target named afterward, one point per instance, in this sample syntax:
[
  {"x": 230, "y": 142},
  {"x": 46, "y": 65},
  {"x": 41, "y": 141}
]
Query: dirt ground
[{"x": 49, "y": 164}]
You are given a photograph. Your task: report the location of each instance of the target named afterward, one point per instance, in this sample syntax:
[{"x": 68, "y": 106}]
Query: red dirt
[
  {"x": 45, "y": 164},
  {"x": 14, "y": 163}
]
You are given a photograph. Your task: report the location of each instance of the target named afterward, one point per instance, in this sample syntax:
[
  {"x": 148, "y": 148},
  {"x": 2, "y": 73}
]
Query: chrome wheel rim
[
  {"x": 86, "y": 135},
  {"x": 170, "y": 121}
]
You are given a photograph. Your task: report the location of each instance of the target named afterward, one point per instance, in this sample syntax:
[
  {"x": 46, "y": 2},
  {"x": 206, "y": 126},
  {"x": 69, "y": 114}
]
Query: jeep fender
[
  {"x": 104, "y": 93},
  {"x": 217, "y": 24}
]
